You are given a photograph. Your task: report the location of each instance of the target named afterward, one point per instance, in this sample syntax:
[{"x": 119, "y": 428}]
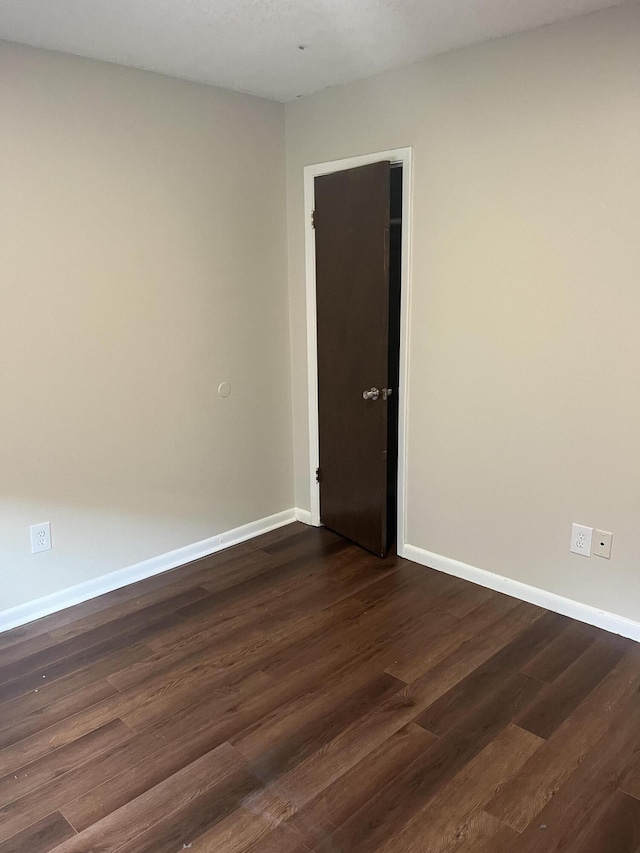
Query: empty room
[{"x": 319, "y": 418}]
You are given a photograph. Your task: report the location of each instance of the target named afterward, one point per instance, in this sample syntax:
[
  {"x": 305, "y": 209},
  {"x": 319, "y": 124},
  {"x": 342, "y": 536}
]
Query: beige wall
[
  {"x": 142, "y": 262},
  {"x": 524, "y": 391}
]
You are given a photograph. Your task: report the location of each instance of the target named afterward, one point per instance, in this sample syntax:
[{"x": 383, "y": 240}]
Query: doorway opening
[{"x": 357, "y": 324}]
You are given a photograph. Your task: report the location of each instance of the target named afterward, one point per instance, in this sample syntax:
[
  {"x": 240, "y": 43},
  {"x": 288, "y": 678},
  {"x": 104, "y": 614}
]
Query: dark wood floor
[{"x": 296, "y": 694}]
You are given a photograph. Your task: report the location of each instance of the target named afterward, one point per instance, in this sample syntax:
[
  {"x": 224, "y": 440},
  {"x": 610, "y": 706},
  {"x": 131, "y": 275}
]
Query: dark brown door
[{"x": 352, "y": 292}]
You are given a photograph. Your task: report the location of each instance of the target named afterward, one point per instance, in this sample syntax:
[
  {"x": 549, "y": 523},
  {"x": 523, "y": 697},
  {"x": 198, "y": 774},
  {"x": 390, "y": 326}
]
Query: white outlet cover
[
  {"x": 581, "y": 540},
  {"x": 40, "y": 537},
  {"x": 602, "y": 544}
]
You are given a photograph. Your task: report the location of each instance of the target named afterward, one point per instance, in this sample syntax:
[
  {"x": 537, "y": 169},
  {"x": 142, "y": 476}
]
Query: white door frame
[{"x": 397, "y": 155}]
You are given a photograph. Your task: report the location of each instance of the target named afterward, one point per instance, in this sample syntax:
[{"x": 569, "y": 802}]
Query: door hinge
[
  {"x": 313, "y": 219},
  {"x": 317, "y": 475}
]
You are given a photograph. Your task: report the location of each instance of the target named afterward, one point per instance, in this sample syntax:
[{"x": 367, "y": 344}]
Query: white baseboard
[
  {"x": 532, "y": 594},
  {"x": 303, "y": 515},
  {"x": 32, "y": 610}
]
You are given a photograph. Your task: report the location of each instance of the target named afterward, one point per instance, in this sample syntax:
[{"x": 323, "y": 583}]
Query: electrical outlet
[
  {"x": 581, "y": 539},
  {"x": 602, "y": 543},
  {"x": 40, "y": 537}
]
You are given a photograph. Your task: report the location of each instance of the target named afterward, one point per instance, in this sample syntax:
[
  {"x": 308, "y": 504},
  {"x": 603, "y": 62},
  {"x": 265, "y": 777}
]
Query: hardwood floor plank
[
  {"x": 51, "y": 796},
  {"x": 299, "y": 543},
  {"x": 444, "y": 714},
  {"x": 21, "y": 634},
  {"x": 179, "y": 830},
  {"x": 172, "y": 754},
  {"x": 471, "y": 653},
  {"x": 244, "y": 832},
  {"x": 578, "y": 806},
  {"x": 464, "y": 598},
  {"x": 408, "y": 664},
  {"x": 39, "y": 706},
  {"x": 485, "y": 834},
  {"x": 553, "y": 764},
  {"x": 250, "y": 624},
  {"x": 559, "y": 699},
  {"x": 310, "y": 776},
  {"x": 373, "y": 630},
  {"x": 26, "y": 648},
  {"x": 159, "y": 594},
  {"x": 406, "y": 585},
  {"x": 280, "y": 596},
  {"x": 616, "y": 829},
  {"x": 378, "y": 631},
  {"x": 88, "y": 657},
  {"x": 290, "y": 579},
  {"x": 46, "y": 740},
  {"x": 561, "y": 652},
  {"x": 40, "y": 837},
  {"x": 56, "y": 622},
  {"x": 131, "y": 625},
  {"x": 32, "y": 776},
  {"x": 35, "y": 716},
  {"x": 257, "y": 696},
  {"x": 228, "y": 568},
  {"x": 320, "y": 699},
  {"x": 295, "y": 735},
  {"x": 286, "y": 660},
  {"x": 235, "y": 833},
  {"x": 278, "y": 840},
  {"x": 247, "y": 644},
  {"x": 160, "y": 802},
  {"x": 319, "y": 818},
  {"x": 152, "y": 701},
  {"x": 450, "y": 820},
  {"x": 418, "y": 644},
  {"x": 630, "y": 780},
  {"x": 385, "y": 814}
]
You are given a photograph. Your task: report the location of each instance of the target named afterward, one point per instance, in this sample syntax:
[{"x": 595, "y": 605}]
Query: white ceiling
[{"x": 254, "y": 45}]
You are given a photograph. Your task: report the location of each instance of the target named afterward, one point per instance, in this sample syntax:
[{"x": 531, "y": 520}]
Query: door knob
[{"x": 372, "y": 394}]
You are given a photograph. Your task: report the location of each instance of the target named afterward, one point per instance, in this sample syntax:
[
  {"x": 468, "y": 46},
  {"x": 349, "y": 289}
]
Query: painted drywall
[
  {"x": 524, "y": 349},
  {"x": 142, "y": 263}
]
